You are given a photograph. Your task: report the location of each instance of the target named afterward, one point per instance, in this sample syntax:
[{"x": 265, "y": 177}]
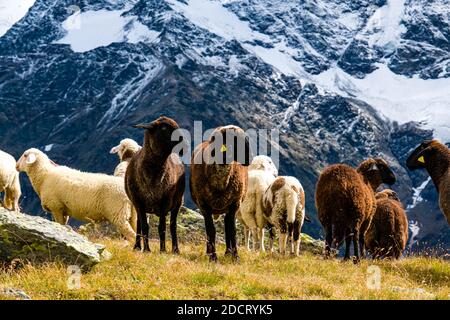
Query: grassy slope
[{"x": 133, "y": 275}]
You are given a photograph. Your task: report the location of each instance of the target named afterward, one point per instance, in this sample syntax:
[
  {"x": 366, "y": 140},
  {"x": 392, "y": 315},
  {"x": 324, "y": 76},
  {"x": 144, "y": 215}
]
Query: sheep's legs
[
  {"x": 60, "y": 216},
  {"x": 211, "y": 234},
  {"x": 362, "y": 232},
  {"x": 142, "y": 221},
  {"x": 290, "y": 235},
  {"x": 348, "y": 243},
  {"x": 230, "y": 233},
  {"x": 247, "y": 237},
  {"x": 297, "y": 228},
  {"x": 356, "y": 246},
  {"x": 162, "y": 232},
  {"x": 271, "y": 236},
  {"x": 261, "y": 239},
  {"x": 137, "y": 243},
  {"x": 328, "y": 241},
  {"x": 362, "y": 245},
  {"x": 173, "y": 229},
  {"x": 282, "y": 242},
  {"x": 255, "y": 238},
  {"x": 12, "y": 199}
]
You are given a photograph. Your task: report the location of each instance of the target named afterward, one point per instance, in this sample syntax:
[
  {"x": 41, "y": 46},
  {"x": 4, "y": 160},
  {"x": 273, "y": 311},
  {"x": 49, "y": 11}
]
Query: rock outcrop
[{"x": 37, "y": 240}]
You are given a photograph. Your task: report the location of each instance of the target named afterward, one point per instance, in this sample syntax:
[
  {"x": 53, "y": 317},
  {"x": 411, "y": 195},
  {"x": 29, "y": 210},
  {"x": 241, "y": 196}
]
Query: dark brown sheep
[
  {"x": 388, "y": 233},
  {"x": 155, "y": 181},
  {"x": 345, "y": 200},
  {"x": 435, "y": 158},
  {"x": 218, "y": 182}
]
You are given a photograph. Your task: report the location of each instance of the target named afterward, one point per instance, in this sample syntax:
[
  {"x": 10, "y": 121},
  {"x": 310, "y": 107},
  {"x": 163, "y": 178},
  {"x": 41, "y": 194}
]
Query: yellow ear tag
[
  {"x": 421, "y": 159},
  {"x": 223, "y": 148}
]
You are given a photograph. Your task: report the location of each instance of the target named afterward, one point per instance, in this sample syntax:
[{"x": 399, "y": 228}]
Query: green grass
[{"x": 134, "y": 275}]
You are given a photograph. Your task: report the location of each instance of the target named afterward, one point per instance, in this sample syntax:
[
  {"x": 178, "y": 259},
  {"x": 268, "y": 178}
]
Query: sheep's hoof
[
  {"x": 162, "y": 250},
  {"x": 137, "y": 248},
  {"x": 213, "y": 257},
  {"x": 356, "y": 260},
  {"x": 176, "y": 251}
]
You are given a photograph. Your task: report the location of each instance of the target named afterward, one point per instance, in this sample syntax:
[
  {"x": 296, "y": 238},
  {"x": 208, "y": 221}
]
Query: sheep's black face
[
  {"x": 231, "y": 144},
  {"x": 387, "y": 175},
  {"x": 419, "y": 158},
  {"x": 160, "y": 134}
]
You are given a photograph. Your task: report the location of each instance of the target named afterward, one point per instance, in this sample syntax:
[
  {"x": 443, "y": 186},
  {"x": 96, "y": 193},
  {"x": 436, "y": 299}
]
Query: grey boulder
[{"x": 38, "y": 240}]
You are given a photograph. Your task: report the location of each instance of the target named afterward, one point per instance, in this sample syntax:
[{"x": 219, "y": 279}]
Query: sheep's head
[
  {"x": 376, "y": 172},
  {"x": 126, "y": 149},
  {"x": 264, "y": 163},
  {"x": 229, "y": 144},
  {"x": 31, "y": 158},
  {"x": 387, "y": 194},
  {"x": 425, "y": 154},
  {"x": 159, "y": 135}
]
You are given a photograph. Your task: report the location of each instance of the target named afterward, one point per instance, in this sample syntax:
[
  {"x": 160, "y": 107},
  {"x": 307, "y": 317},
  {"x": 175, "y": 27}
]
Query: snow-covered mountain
[{"x": 343, "y": 80}]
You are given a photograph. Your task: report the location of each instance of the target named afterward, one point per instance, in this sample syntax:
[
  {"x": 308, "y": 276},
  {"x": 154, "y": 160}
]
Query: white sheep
[
  {"x": 9, "y": 181},
  {"x": 262, "y": 172},
  {"x": 88, "y": 197},
  {"x": 284, "y": 203},
  {"x": 126, "y": 149}
]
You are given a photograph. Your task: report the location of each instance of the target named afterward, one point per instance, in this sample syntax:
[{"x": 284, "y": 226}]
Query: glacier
[
  {"x": 11, "y": 12},
  {"x": 89, "y": 30}
]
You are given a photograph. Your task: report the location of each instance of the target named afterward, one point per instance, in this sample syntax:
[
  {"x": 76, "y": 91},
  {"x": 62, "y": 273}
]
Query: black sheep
[{"x": 155, "y": 181}]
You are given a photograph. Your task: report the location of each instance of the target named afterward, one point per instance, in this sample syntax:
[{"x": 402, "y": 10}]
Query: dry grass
[{"x": 133, "y": 275}]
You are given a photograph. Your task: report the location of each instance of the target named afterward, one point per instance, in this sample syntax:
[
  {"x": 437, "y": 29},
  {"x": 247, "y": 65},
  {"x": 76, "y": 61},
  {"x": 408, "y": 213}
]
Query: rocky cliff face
[{"x": 341, "y": 80}]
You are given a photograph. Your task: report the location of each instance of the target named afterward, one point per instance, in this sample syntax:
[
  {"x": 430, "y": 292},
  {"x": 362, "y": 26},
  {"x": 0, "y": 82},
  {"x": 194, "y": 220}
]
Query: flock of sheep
[{"x": 151, "y": 180}]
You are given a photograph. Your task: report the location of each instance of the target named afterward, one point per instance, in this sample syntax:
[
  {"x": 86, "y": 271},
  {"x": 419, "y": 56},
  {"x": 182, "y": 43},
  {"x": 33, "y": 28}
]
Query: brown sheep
[
  {"x": 435, "y": 158},
  {"x": 345, "y": 201},
  {"x": 218, "y": 182},
  {"x": 388, "y": 233},
  {"x": 155, "y": 181}
]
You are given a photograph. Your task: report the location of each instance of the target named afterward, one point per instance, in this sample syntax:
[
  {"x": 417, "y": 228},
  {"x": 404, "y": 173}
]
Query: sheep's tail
[{"x": 291, "y": 200}]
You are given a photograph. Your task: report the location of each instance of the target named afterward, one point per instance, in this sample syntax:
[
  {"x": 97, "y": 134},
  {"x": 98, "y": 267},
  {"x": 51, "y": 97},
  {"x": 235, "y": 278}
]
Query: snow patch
[
  {"x": 417, "y": 198},
  {"x": 11, "y": 11},
  {"x": 93, "y": 29},
  {"x": 415, "y": 229},
  {"x": 214, "y": 17},
  {"x": 384, "y": 28},
  {"x": 397, "y": 97},
  {"x": 49, "y": 147}
]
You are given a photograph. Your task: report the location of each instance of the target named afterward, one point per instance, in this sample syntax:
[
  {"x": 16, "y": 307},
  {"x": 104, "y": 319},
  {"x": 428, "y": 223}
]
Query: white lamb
[
  {"x": 9, "y": 181},
  {"x": 284, "y": 204},
  {"x": 261, "y": 173},
  {"x": 126, "y": 149},
  {"x": 88, "y": 197}
]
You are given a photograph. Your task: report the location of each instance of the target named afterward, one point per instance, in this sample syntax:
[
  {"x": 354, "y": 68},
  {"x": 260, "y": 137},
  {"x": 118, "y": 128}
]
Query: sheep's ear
[
  {"x": 143, "y": 125},
  {"x": 31, "y": 158},
  {"x": 115, "y": 149}
]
